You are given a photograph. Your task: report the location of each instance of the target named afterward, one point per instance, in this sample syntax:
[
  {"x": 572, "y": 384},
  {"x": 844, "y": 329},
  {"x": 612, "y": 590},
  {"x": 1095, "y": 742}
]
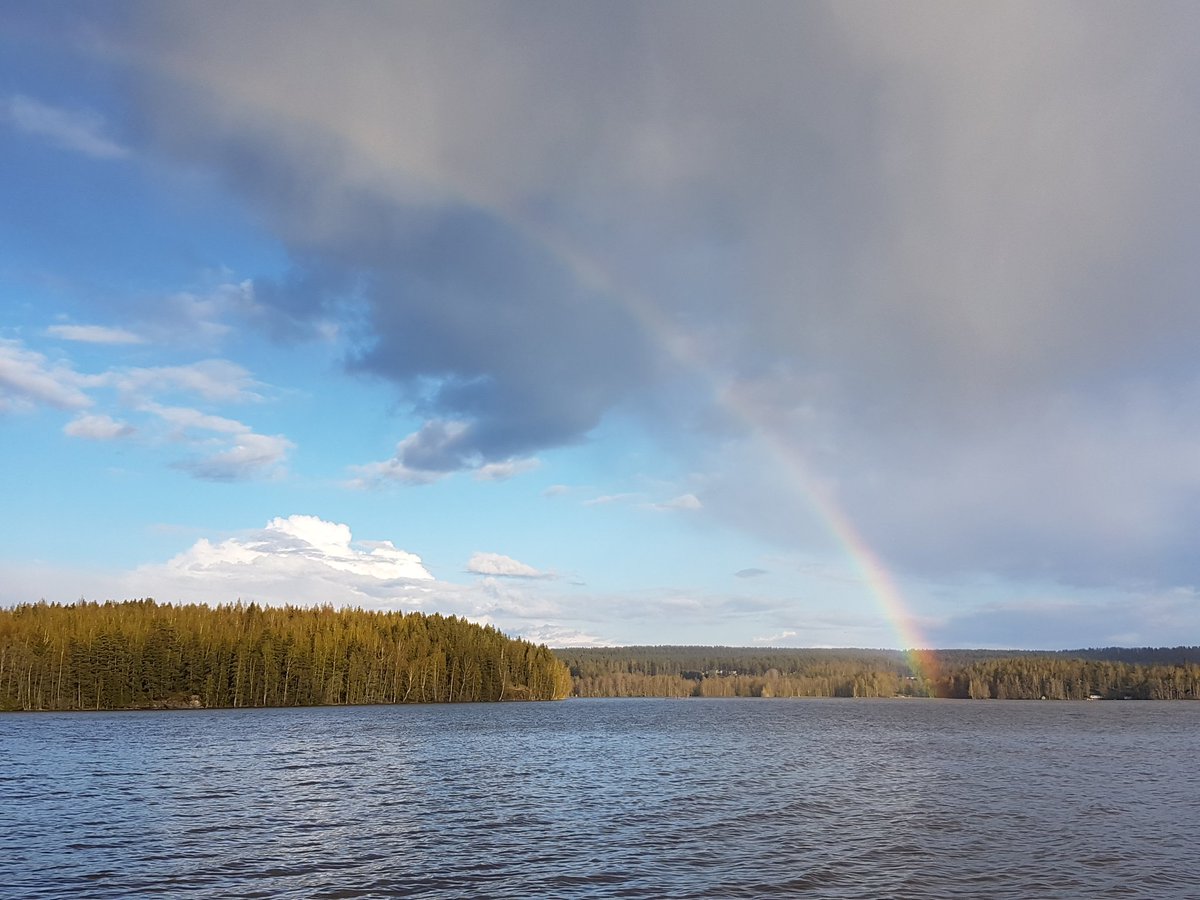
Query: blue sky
[{"x": 609, "y": 323}]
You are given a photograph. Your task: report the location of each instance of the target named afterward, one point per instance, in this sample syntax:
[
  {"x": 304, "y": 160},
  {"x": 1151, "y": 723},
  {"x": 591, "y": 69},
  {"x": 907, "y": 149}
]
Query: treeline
[
  {"x": 738, "y": 672},
  {"x": 1062, "y": 678},
  {"x": 1166, "y": 674},
  {"x": 1151, "y": 656},
  {"x": 142, "y": 654}
]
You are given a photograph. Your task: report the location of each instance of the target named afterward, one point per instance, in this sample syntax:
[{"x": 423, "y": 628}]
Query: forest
[
  {"x": 142, "y": 654},
  {"x": 1112, "y": 673}
]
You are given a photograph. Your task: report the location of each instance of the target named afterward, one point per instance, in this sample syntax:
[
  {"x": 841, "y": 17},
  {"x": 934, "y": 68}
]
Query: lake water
[{"x": 606, "y": 798}]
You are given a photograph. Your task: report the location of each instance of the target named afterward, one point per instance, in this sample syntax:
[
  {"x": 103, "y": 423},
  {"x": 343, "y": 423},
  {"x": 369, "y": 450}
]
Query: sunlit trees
[{"x": 145, "y": 654}]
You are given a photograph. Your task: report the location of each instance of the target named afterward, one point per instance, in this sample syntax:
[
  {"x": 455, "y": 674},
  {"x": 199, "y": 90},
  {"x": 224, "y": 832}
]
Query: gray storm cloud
[{"x": 944, "y": 247}]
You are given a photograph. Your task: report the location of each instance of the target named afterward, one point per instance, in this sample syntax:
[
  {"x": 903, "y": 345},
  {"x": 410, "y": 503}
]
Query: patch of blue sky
[{"x": 117, "y": 231}]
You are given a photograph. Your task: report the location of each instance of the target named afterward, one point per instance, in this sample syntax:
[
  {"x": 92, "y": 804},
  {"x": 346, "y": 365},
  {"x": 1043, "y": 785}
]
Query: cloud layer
[
  {"x": 216, "y": 447},
  {"x": 306, "y": 560},
  {"x": 936, "y": 255}
]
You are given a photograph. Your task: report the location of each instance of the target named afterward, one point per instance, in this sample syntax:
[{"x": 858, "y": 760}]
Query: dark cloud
[
  {"x": 937, "y": 253},
  {"x": 483, "y": 326},
  {"x": 474, "y": 319},
  {"x": 1072, "y": 623}
]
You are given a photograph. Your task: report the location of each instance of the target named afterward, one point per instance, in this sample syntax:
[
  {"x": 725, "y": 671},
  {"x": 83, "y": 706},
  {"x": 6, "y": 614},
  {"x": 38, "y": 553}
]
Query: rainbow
[
  {"x": 681, "y": 349},
  {"x": 878, "y": 579}
]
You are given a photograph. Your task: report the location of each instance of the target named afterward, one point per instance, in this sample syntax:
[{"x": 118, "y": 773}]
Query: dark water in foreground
[{"x": 606, "y": 798}]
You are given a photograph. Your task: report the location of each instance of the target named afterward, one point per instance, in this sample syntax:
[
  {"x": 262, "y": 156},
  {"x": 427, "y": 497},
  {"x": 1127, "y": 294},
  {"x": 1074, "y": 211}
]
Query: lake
[{"x": 606, "y": 798}]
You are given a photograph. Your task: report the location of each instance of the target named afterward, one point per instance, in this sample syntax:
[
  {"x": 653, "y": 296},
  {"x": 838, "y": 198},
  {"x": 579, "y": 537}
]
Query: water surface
[{"x": 606, "y": 798}]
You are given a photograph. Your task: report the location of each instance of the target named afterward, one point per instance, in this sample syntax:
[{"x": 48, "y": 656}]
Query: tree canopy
[
  {"x": 1109, "y": 673},
  {"x": 140, "y": 653}
]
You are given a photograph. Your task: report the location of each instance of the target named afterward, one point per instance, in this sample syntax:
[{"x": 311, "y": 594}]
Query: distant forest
[
  {"x": 142, "y": 654},
  {"x": 1111, "y": 673}
]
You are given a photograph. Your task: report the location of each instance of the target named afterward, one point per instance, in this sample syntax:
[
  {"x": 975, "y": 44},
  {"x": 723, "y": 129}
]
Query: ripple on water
[{"x": 838, "y": 799}]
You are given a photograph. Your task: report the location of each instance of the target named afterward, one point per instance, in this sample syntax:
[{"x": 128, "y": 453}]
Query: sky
[{"x": 755, "y": 324}]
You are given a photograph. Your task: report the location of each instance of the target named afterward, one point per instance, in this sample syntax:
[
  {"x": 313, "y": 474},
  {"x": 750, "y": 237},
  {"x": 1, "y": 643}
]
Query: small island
[{"x": 146, "y": 655}]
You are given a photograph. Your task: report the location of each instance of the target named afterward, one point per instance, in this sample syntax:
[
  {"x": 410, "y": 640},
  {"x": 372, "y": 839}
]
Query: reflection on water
[{"x": 605, "y": 798}]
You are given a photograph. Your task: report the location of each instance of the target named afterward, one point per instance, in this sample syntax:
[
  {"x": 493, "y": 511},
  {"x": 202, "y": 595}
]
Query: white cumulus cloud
[
  {"x": 606, "y": 499},
  {"x": 499, "y": 564},
  {"x": 28, "y": 379},
  {"x": 217, "y": 380},
  {"x": 97, "y": 428},
  {"x": 207, "y": 316},
  {"x": 684, "y": 502},
  {"x": 94, "y": 334},
  {"x": 560, "y": 636},
  {"x": 81, "y": 131},
  {"x": 299, "y": 559},
  {"x": 250, "y": 455},
  {"x": 307, "y": 560},
  {"x": 226, "y": 449},
  {"x": 775, "y": 638},
  {"x": 509, "y": 468}
]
